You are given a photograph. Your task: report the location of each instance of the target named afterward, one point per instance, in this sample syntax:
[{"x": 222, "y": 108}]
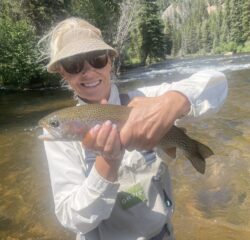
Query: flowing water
[{"x": 211, "y": 206}]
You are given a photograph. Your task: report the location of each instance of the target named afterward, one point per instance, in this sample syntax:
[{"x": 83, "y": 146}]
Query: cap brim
[{"x": 79, "y": 47}]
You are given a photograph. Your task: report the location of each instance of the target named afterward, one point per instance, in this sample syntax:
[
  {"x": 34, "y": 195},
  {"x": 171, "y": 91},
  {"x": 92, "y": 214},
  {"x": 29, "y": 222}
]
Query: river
[{"x": 212, "y": 206}]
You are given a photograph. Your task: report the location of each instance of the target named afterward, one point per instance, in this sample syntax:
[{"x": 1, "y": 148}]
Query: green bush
[
  {"x": 245, "y": 48},
  {"x": 18, "y": 62},
  {"x": 226, "y": 47}
]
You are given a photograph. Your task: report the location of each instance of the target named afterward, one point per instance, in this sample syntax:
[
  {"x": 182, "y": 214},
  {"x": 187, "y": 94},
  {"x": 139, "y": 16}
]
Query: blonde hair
[{"x": 49, "y": 45}]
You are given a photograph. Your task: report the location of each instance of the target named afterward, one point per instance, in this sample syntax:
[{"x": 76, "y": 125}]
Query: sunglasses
[{"x": 76, "y": 64}]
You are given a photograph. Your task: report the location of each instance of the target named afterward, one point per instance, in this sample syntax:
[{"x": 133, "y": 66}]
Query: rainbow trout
[{"x": 72, "y": 123}]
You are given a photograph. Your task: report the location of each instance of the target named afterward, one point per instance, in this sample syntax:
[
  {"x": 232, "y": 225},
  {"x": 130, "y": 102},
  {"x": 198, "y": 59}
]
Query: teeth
[{"x": 93, "y": 84}]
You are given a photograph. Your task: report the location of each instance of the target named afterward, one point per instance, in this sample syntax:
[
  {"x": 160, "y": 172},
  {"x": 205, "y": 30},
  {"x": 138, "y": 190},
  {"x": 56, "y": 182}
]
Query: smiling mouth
[{"x": 92, "y": 84}]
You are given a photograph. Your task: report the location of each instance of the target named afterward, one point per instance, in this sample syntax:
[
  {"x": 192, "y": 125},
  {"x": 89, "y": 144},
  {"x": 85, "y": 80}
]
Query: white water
[{"x": 176, "y": 69}]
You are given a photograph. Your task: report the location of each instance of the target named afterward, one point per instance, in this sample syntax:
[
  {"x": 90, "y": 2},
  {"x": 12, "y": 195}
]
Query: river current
[{"x": 212, "y": 206}]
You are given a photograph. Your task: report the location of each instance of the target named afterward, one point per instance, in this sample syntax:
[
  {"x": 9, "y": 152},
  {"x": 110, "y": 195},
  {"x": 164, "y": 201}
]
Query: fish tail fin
[
  {"x": 204, "y": 150},
  {"x": 198, "y": 156}
]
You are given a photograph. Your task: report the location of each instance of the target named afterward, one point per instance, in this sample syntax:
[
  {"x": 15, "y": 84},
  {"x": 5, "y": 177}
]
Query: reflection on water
[{"x": 214, "y": 206}]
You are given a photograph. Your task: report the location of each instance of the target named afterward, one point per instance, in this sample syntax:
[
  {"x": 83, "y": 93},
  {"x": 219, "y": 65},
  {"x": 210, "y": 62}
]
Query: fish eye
[{"x": 54, "y": 123}]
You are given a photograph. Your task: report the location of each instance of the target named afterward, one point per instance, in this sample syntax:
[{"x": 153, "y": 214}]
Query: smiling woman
[
  {"x": 90, "y": 77},
  {"x": 82, "y": 58},
  {"x": 101, "y": 190}
]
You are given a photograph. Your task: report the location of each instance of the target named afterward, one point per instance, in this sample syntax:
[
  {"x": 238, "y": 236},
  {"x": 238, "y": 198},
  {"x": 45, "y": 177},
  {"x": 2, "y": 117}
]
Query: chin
[{"x": 92, "y": 99}]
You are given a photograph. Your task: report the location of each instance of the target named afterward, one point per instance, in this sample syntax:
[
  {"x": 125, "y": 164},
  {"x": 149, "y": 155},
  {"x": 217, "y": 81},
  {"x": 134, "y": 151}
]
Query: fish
[{"x": 72, "y": 123}]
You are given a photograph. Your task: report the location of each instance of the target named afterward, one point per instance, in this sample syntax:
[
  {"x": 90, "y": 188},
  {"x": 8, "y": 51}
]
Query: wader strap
[
  {"x": 124, "y": 98},
  {"x": 164, "y": 234}
]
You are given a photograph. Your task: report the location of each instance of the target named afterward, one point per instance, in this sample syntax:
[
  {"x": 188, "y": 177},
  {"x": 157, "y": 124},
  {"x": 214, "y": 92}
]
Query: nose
[{"x": 87, "y": 69}]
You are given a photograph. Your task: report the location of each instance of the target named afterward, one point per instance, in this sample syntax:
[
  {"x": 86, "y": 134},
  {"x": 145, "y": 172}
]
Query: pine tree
[
  {"x": 206, "y": 40},
  {"x": 246, "y": 20},
  {"x": 104, "y": 14},
  {"x": 236, "y": 24},
  {"x": 176, "y": 42},
  {"x": 225, "y": 24},
  {"x": 43, "y": 13},
  {"x": 215, "y": 27},
  {"x": 151, "y": 29}
]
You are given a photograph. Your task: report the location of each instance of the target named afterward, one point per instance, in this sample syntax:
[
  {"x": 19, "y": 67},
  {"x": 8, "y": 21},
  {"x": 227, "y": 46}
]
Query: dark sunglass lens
[
  {"x": 73, "y": 65},
  {"x": 99, "y": 61}
]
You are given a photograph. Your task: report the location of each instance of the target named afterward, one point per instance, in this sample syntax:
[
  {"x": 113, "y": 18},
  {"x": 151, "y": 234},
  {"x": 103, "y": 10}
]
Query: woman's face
[{"x": 91, "y": 84}]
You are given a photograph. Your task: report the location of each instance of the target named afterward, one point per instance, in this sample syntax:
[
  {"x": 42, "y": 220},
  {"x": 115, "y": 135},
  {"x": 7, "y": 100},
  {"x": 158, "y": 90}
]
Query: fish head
[{"x": 62, "y": 128}]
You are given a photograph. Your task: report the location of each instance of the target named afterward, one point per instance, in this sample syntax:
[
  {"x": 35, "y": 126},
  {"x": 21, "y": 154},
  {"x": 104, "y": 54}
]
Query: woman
[{"x": 118, "y": 194}]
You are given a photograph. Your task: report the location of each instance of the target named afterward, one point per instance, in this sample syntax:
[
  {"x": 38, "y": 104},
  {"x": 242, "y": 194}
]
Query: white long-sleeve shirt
[{"x": 88, "y": 204}]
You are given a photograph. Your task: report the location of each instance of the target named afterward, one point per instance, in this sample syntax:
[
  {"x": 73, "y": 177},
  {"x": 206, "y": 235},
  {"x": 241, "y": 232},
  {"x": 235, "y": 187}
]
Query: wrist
[
  {"x": 107, "y": 169},
  {"x": 180, "y": 102}
]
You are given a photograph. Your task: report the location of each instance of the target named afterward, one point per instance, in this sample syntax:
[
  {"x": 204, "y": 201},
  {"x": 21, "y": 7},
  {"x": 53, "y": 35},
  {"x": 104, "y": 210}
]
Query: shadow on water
[{"x": 213, "y": 206}]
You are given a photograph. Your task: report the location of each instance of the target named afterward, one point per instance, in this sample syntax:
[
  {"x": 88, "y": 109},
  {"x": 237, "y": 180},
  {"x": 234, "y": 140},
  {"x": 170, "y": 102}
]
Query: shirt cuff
[{"x": 100, "y": 185}]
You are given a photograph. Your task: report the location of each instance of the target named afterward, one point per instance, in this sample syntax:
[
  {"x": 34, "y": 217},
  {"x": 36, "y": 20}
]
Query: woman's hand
[
  {"x": 106, "y": 141},
  {"x": 151, "y": 118}
]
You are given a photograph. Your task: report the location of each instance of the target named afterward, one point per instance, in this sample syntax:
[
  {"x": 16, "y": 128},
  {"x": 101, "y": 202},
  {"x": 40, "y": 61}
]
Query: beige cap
[{"x": 78, "y": 41}]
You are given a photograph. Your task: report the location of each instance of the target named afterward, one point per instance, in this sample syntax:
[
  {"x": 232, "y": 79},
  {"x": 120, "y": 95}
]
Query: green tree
[
  {"x": 225, "y": 25},
  {"x": 43, "y": 14},
  {"x": 163, "y": 4},
  {"x": 236, "y": 24},
  {"x": 215, "y": 22},
  {"x": 18, "y": 66},
  {"x": 151, "y": 29},
  {"x": 102, "y": 13},
  {"x": 206, "y": 40},
  {"x": 246, "y": 20},
  {"x": 168, "y": 31}
]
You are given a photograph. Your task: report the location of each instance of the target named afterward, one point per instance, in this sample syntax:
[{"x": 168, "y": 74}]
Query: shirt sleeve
[
  {"x": 206, "y": 91},
  {"x": 81, "y": 201}
]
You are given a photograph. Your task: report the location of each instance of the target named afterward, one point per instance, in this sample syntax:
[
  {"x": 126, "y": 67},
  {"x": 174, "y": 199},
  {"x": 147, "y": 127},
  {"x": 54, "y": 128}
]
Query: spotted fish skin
[{"x": 72, "y": 123}]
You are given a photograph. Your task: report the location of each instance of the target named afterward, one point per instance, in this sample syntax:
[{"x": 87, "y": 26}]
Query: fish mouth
[
  {"x": 46, "y": 137},
  {"x": 48, "y": 133},
  {"x": 92, "y": 84}
]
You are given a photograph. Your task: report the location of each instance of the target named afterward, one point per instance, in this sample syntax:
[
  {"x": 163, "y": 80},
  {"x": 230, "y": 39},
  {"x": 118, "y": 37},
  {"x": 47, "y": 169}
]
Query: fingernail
[
  {"x": 114, "y": 126},
  {"x": 96, "y": 127},
  {"x": 108, "y": 123}
]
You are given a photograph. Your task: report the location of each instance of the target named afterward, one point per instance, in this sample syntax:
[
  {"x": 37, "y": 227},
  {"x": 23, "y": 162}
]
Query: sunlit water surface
[{"x": 211, "y": 206}]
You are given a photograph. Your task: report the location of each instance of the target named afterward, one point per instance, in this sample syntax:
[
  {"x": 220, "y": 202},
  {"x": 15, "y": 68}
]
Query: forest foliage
[{"x": 191, "y": 27}]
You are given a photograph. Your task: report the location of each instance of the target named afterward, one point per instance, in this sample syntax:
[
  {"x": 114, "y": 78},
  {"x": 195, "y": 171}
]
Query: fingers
[
  {"x": 104, "y": 101},
  {"x": 105, "y": 140},
  {"x": 148, "y": 122},
  {"x": 113, "y": 147},
  {"x": 109, "y": 145},
  {"x": 103, "y": 135},
  {"x": 90, "y": 138}
]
